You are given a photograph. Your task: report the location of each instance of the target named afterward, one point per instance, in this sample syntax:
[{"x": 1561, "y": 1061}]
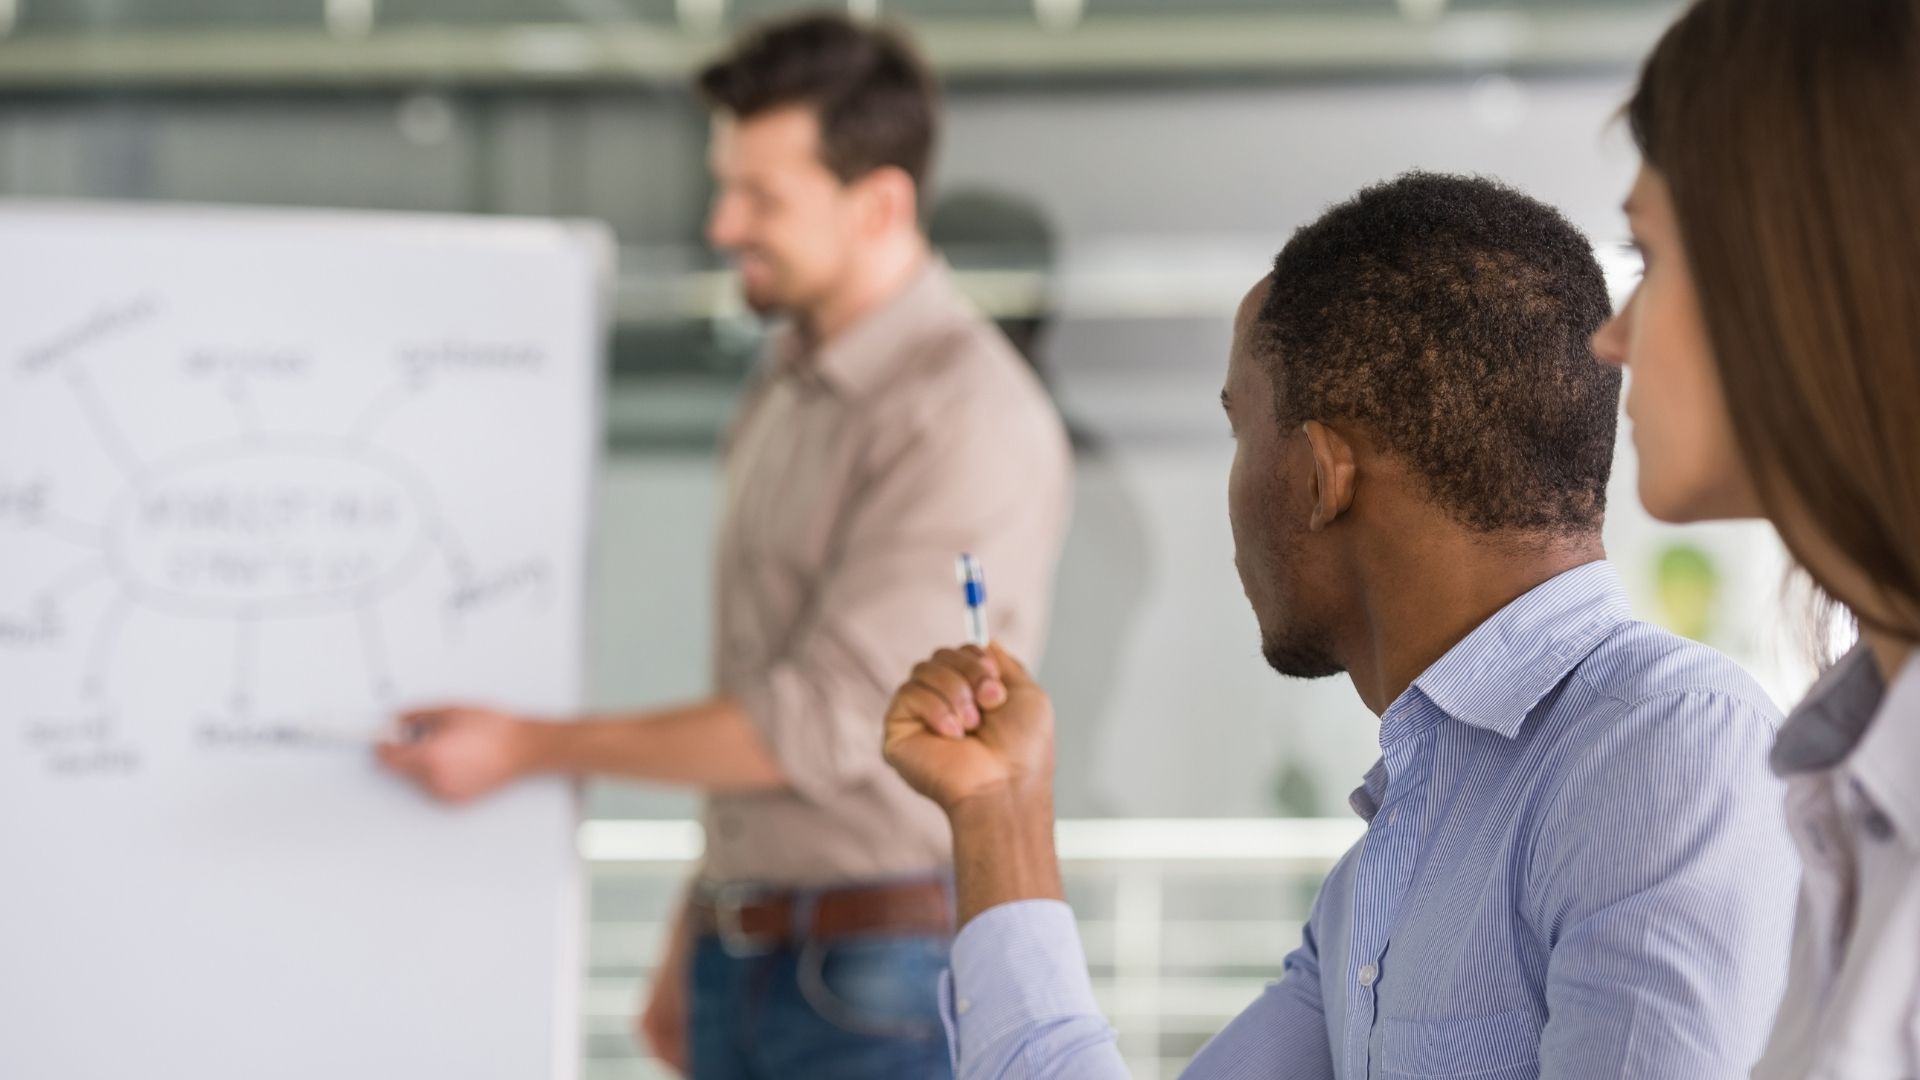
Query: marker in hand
[{"x": 974, "y": 581}]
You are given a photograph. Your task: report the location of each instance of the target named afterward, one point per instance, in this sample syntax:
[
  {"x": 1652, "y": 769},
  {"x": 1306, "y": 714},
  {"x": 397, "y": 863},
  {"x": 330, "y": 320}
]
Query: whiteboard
[{"x": 265, "y": 477}]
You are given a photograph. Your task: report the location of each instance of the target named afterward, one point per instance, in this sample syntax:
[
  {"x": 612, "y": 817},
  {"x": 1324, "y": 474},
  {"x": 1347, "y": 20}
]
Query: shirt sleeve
[
  {"x": 1018, "y": 1006},
  {"x": 1018, "y": 1003},
  {"x": 1663, "y": 880},
  {"x": 979, "y": 465}
]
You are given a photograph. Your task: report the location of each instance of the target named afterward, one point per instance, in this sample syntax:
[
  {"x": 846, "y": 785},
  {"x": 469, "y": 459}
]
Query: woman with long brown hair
[{"x": 1774, "y": 345}]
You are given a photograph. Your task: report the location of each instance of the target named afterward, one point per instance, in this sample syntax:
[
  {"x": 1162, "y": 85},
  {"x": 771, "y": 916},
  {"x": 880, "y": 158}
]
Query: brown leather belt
[{"x": 749, "y": 920}]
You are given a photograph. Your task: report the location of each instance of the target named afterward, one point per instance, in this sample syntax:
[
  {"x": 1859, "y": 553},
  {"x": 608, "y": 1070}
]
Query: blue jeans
[{"x": 852, "y": 1009}]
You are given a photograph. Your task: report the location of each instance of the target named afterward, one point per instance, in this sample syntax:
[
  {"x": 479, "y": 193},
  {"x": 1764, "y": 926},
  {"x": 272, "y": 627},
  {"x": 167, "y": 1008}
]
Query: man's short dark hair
[
  {"x": 1451, "y": 317},
  {"x": 877, "y": 102}
]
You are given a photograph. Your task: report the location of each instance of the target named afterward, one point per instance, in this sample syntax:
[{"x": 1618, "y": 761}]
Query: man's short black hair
[
  {"x": 877, "y": 101},
  {"x": 1451, "y": 318}
]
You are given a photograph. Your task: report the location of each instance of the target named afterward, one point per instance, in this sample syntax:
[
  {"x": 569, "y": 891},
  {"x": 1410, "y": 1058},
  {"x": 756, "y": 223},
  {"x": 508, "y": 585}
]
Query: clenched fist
[{"x": 971, "y": 722}]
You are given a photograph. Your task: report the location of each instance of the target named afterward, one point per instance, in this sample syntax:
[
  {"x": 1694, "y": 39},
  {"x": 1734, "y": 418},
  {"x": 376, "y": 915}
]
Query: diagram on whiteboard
[
  {"x": 267, "y": 478},
  {"x": 247, "y": 529}
]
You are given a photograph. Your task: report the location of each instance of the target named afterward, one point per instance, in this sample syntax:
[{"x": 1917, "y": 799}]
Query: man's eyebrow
[{"x": 1225, "y": 401}]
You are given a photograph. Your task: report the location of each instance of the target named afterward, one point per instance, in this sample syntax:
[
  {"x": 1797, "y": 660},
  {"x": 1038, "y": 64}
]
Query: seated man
[{"x": 1575, "y": 863}]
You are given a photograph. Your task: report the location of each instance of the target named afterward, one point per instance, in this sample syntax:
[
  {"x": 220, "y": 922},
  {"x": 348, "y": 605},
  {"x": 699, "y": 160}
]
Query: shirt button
[
  {"x": 963, "y": 1006},
  {"x": 1368, "y": 974}
]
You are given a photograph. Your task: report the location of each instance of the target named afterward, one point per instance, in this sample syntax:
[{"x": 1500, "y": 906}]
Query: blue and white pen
[{"x": 974, "y": 581}]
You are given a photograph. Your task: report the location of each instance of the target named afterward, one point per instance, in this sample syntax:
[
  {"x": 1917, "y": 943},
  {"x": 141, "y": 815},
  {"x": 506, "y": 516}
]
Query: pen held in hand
[{"x": 973, "y": 580}]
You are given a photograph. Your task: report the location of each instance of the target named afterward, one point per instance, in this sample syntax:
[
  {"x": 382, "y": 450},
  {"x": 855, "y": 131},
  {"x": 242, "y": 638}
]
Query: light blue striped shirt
[{"x": 1576, "y": 865}]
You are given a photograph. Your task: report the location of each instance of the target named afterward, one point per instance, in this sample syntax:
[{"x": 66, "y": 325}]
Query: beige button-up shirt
[
  {"x": 855, "y": 474},
  {"x": 1851, "y": 754}
]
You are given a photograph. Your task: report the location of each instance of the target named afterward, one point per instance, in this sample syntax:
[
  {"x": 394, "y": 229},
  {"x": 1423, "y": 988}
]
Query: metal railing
[{"x": 1183, "y": 921}]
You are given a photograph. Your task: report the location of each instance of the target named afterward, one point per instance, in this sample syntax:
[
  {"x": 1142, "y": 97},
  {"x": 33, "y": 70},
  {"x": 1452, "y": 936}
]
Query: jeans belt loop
[{"x": 728, "y": 900}]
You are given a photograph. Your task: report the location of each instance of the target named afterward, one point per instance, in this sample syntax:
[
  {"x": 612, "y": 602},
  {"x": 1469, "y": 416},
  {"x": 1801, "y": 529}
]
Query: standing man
[{"x": 888, "y": 429}]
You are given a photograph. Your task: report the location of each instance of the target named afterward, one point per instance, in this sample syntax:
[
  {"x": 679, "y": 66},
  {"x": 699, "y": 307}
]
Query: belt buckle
[{"x": 728, "y": 900}]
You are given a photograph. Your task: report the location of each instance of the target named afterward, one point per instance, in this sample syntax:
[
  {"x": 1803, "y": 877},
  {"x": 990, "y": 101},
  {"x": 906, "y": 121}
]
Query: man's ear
[
  {"x": 1334, "y": 474},
  {"x": 890, "y": 199}
]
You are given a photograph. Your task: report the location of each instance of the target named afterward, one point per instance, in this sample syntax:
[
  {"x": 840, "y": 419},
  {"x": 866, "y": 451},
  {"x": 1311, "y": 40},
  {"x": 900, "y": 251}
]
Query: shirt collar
[
  {"x": 1365, "y": 799},
  {"x": 857, "y": 358},
  {"x": 1825, "y": 727},
  {"x": 1492, "y": 678},
  {"x": 1889, "y": 754},
  {"x": 1853, "y": 720}
]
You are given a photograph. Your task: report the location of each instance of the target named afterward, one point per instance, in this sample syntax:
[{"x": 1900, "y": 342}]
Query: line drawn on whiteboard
[{"x": 250, "y": 529}]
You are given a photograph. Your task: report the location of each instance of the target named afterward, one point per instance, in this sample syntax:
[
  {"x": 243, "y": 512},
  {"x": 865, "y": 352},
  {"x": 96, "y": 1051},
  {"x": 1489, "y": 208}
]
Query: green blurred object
[
  {"x": 1689, "y": 588},
  {"x": 1294, "y": 792}
]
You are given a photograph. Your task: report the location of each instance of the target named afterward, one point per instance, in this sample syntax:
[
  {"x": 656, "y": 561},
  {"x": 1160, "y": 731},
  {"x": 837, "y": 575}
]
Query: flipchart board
[{"x": 266, "y": 477}]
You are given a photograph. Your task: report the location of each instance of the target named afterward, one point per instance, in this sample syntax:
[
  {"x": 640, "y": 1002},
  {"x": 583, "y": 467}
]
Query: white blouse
[{"x": 1851, "y": 756}]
